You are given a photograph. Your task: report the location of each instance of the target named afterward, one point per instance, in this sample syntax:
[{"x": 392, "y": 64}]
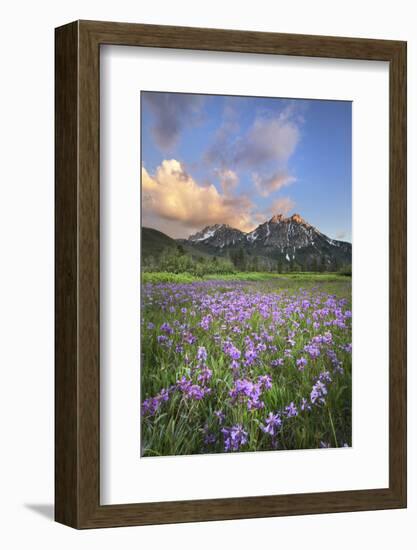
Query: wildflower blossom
[
  {"x": 301, "y": 363},
  {"x": 201, "y": 353},
  {"x": 234, "y": 438},
  {"x": 247, "y": 390},
  {"x": 250, "y": 356},
  {"x": 234, "y": 365},
  {"x": 204, "y": 376},
  {"x": 291, "y": 410},
  {"x": 165, "y": 327},
  {"x": 210, "y": 438},
  {"x": 192, "y": 391},
  {"x": 313, "y": 350},
  {"x": 150, "y": 406},
  {"x": 272, "y": 424},
  {"x": 318, "y": 393},
  {"x": 265, "y": 382}
]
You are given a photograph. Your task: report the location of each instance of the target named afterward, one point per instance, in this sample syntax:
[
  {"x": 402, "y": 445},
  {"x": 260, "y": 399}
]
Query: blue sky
[{"x": 225, "y": 159}]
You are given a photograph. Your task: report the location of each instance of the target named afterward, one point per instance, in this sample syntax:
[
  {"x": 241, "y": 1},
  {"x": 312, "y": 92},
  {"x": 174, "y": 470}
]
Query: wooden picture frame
[{"x": 77, "y": 374}]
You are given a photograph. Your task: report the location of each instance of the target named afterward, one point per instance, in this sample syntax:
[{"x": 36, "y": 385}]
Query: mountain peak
[
  {"x": 296, "y": 218},
  {"x": 281, "y": 238},
  {"x": 277, "y": 218},
  {"x": 217, "y": 233}
]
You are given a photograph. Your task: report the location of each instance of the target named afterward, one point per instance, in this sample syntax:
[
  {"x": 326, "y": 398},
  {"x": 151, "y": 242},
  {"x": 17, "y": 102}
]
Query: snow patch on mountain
[{"x": 280, "y": 237}]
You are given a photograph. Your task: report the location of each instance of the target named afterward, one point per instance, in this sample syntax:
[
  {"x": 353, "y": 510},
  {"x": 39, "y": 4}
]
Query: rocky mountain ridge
[{"x": 285, "y": 239}]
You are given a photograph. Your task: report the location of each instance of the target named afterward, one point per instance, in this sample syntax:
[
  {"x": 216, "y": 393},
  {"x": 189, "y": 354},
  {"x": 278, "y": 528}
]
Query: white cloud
[
  {"x": 174, "y": 201},
  {"x": 229, "y": 180},
  {"x": 264, "y": 149},
  {"x": 273, "y": 183},
  {"x": 269, "y": 139}
]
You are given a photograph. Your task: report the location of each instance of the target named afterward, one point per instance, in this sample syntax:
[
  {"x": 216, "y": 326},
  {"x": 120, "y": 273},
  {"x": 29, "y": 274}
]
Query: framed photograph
[{"x": 230, "y": 274}]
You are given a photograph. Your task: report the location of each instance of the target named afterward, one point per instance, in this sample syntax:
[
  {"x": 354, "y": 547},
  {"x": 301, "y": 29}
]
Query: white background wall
[{"x": 26, "y": 271}]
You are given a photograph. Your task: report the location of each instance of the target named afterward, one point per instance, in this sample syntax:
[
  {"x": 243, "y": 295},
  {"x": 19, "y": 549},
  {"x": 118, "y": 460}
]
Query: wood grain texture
[
  {"x": 398, "y": 273},
  {"x": 66, "y": 238},
  {"x": 78, "y": 285}
]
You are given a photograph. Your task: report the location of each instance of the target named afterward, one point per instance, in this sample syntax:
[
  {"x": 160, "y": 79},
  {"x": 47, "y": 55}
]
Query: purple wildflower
[
  {"x": 205, "y": 375},
  {"x": 301, "y": 363},
  {"x": 265, "y": 382},
  {"x": 234, "y": 365},
  {"x": 165, "y": 327},
  {"x": 272, "y": 424},
  {"x": 209, "y": 438},
  {"x": 250, "y": 356},
  {"x": 246, "y": 390},
  {"x": 202, "y": 353},
  {"x": 192, "y": 391},
  {"x": 312, "y": 350},
  {"x": 234, "y": 438},
  {"x": 318, "y": 393},
  {"x": 150, "y": 406},
  {"x": 291, "y": 410}
]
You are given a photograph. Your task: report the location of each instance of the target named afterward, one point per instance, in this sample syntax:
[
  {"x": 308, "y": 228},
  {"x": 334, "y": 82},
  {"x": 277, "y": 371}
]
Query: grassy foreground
[
  {"x": 165, "y": 277},
  {"x": 246, "y": 362}
]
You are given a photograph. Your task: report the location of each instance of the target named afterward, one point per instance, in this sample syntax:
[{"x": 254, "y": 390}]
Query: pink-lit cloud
[
  {"x": 229, "y": 180},
  {"x": 283, "y": 205},
  {"x": 269, "y": 139},
  {"x": 264, "y": 149},
  {"x": 270, "y": 184},
  {"x": 173, "y": 202}
]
